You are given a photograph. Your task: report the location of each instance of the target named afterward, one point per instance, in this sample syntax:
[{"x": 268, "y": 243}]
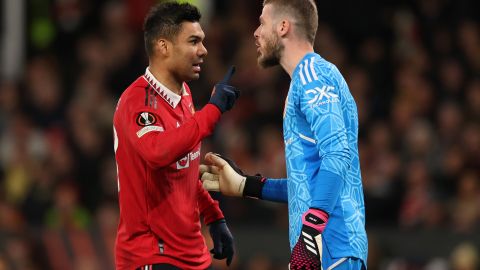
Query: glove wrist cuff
[
  {"x": 218, "y": 221},
  {"x": 315, "y": 218},
  {"x": 253, "y": 186}
]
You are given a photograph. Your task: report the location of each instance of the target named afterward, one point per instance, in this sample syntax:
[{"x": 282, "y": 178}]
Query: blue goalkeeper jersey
[{"x": 320, "y": 128}]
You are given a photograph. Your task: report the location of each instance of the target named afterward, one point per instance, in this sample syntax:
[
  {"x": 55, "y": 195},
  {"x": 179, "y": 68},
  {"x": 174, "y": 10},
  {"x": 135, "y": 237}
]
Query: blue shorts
[{"x": 346, "y": 263}]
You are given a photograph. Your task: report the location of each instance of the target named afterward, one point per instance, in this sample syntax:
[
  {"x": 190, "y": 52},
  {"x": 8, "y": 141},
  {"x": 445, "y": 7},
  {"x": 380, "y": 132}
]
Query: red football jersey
[{"x": 157, "y": 136}]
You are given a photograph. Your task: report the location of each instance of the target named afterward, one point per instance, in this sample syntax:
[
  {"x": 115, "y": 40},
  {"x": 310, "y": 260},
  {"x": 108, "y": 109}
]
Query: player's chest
[{"x": 174, "y": 117}]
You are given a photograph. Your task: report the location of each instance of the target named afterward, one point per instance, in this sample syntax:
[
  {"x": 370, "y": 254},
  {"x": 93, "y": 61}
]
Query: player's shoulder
[
  {"x": 325, "y": 69},
  {"x": 136, "y": 88},
  {"x": 318, "y": 71},
  {"x": 135, "y": 93}
]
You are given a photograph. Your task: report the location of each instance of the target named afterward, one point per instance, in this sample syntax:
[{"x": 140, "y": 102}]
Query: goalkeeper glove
[
  {"x": 222, "y": 241},
  {"x": 223, "y": 94},
  {"x": 225, "y": 176},
  {"x": 307, "y": 253}
]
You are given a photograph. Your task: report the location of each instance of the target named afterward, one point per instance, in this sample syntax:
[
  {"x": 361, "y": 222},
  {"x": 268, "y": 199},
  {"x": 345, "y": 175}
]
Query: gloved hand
[
  {"x": 223, "y": 94},
  {"x": 307, "y": 253},
  {"x": 225, "y": 176},
  {"x": 222, "y": 241}
]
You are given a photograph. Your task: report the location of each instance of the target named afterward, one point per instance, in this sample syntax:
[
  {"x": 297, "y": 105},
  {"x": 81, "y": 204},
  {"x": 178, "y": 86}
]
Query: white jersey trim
[
  {"x": 307, "y": 71},
  {"x": 168, "y": 95},
  {"x": 307, "y": 138},
  {"x": 337, "y": 263}
]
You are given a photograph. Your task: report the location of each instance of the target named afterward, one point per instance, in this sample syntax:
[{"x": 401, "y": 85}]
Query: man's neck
[
  {"x": 164, "y": 77},
  {"x": 293, "y": 53}
]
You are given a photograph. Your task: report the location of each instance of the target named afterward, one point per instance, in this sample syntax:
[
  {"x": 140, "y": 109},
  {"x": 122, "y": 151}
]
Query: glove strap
[
  {"x": 253, "y": 186},
  {"x": 315, "y": 218}
]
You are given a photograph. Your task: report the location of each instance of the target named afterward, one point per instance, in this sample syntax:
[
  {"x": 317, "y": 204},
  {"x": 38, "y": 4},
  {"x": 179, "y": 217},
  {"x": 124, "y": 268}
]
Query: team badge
[{"x": 146, "y": 119}]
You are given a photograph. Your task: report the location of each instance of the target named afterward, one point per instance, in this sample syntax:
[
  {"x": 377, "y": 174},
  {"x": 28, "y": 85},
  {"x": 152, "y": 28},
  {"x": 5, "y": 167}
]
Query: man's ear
[
  {"x": 283, "y": 27},
  {"x": 163, "y": 47}
]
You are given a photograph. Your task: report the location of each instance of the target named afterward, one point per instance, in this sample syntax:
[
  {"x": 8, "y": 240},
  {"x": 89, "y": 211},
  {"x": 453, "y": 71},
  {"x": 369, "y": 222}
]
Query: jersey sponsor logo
[
  {"x": 148, "y": 129},
  {"x": 146, "y": 119},
  {"x": 320, "y": 96},
  {"x": 185, "y": 161}
]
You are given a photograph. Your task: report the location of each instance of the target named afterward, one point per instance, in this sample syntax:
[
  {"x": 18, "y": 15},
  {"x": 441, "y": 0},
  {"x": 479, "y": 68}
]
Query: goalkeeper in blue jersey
[{"x": 323, "y": 188}]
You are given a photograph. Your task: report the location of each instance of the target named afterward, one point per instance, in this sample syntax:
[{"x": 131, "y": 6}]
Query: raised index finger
[{"x": 228, "y": 75}]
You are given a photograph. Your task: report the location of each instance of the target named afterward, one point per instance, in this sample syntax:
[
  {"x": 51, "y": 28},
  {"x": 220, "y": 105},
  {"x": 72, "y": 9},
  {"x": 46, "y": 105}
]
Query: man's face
[
  {"x": 188, "y": 52},
  {"x": 269, "y": 45}
]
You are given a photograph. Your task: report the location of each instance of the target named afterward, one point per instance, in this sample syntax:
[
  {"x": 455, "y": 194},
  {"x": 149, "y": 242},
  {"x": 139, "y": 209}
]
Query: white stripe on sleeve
[
  {"x": 301, "y": 75},
  {"x": 305, "y": 68},
  {"x": 315, "y": 77}
]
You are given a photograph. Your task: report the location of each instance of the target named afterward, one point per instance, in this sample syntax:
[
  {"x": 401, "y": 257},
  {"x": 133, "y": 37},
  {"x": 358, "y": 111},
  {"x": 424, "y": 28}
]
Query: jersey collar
[{"x": 168, "y": 95}]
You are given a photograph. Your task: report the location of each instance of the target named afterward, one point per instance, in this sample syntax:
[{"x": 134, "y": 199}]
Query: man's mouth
[
  {"x": 258, "y": 47},
  {"x": 196, "y": 67}
]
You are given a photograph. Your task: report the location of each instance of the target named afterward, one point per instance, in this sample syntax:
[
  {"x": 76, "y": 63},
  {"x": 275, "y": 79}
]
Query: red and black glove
[{"x": 307, "y": 253}]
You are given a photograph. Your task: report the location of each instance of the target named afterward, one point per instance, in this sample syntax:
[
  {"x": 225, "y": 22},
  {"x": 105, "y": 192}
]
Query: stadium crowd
[{"x": 413, "y": 68}]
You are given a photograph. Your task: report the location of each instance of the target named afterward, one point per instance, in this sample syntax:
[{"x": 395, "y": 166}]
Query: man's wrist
[
  {"x": 253, "y": 186},
  {"x": 212, "y": 213},
  {"x": 213, "y": 109},
  {"x": 218, "y": 221},
  {"x": 315, "y": 218}
]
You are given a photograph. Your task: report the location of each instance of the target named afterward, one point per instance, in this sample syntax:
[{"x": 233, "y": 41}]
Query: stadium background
[{"x": 412, "y": 66}]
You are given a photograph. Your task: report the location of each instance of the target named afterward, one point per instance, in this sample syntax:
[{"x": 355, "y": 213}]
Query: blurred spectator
[
  {"x": 66, "y": 212},
  {"x": 380, "y": 174},
  {"x": 472, "y": 99},
  {"x": 466, "y": 206},
  {"x": 464, "y": 257},
  {"x": 419, "y": 195}
]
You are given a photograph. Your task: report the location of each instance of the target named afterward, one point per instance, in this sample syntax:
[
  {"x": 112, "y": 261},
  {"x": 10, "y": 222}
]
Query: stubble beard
[{"x": 273, "y": 53}]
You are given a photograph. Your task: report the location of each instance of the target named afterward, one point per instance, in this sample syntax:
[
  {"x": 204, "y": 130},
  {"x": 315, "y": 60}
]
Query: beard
[{"x": 273, "y": 51}]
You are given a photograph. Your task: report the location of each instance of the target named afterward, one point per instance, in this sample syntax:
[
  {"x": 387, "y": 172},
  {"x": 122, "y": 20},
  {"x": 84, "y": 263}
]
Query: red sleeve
[
  {"x": 209, "y": 208},
  {"x": 161, "y": 147}
]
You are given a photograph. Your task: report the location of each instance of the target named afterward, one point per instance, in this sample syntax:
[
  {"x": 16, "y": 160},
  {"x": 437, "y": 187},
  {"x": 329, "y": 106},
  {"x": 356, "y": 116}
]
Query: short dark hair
[
  {"x": 164, "y": 21},
  {"x": 303, "y": 11}
]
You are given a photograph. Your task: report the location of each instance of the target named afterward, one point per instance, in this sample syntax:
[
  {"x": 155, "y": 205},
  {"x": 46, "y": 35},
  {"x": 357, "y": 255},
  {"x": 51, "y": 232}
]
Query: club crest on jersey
[{"x": 146, "y": 119}]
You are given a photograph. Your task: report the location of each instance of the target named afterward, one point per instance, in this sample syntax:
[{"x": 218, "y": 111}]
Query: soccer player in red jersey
[{"x": 157, "y": 136}]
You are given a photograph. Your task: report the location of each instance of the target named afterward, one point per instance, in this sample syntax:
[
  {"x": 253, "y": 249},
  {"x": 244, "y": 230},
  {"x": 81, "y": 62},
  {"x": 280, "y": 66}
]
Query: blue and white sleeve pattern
[{"x": 320, "y": 103}]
